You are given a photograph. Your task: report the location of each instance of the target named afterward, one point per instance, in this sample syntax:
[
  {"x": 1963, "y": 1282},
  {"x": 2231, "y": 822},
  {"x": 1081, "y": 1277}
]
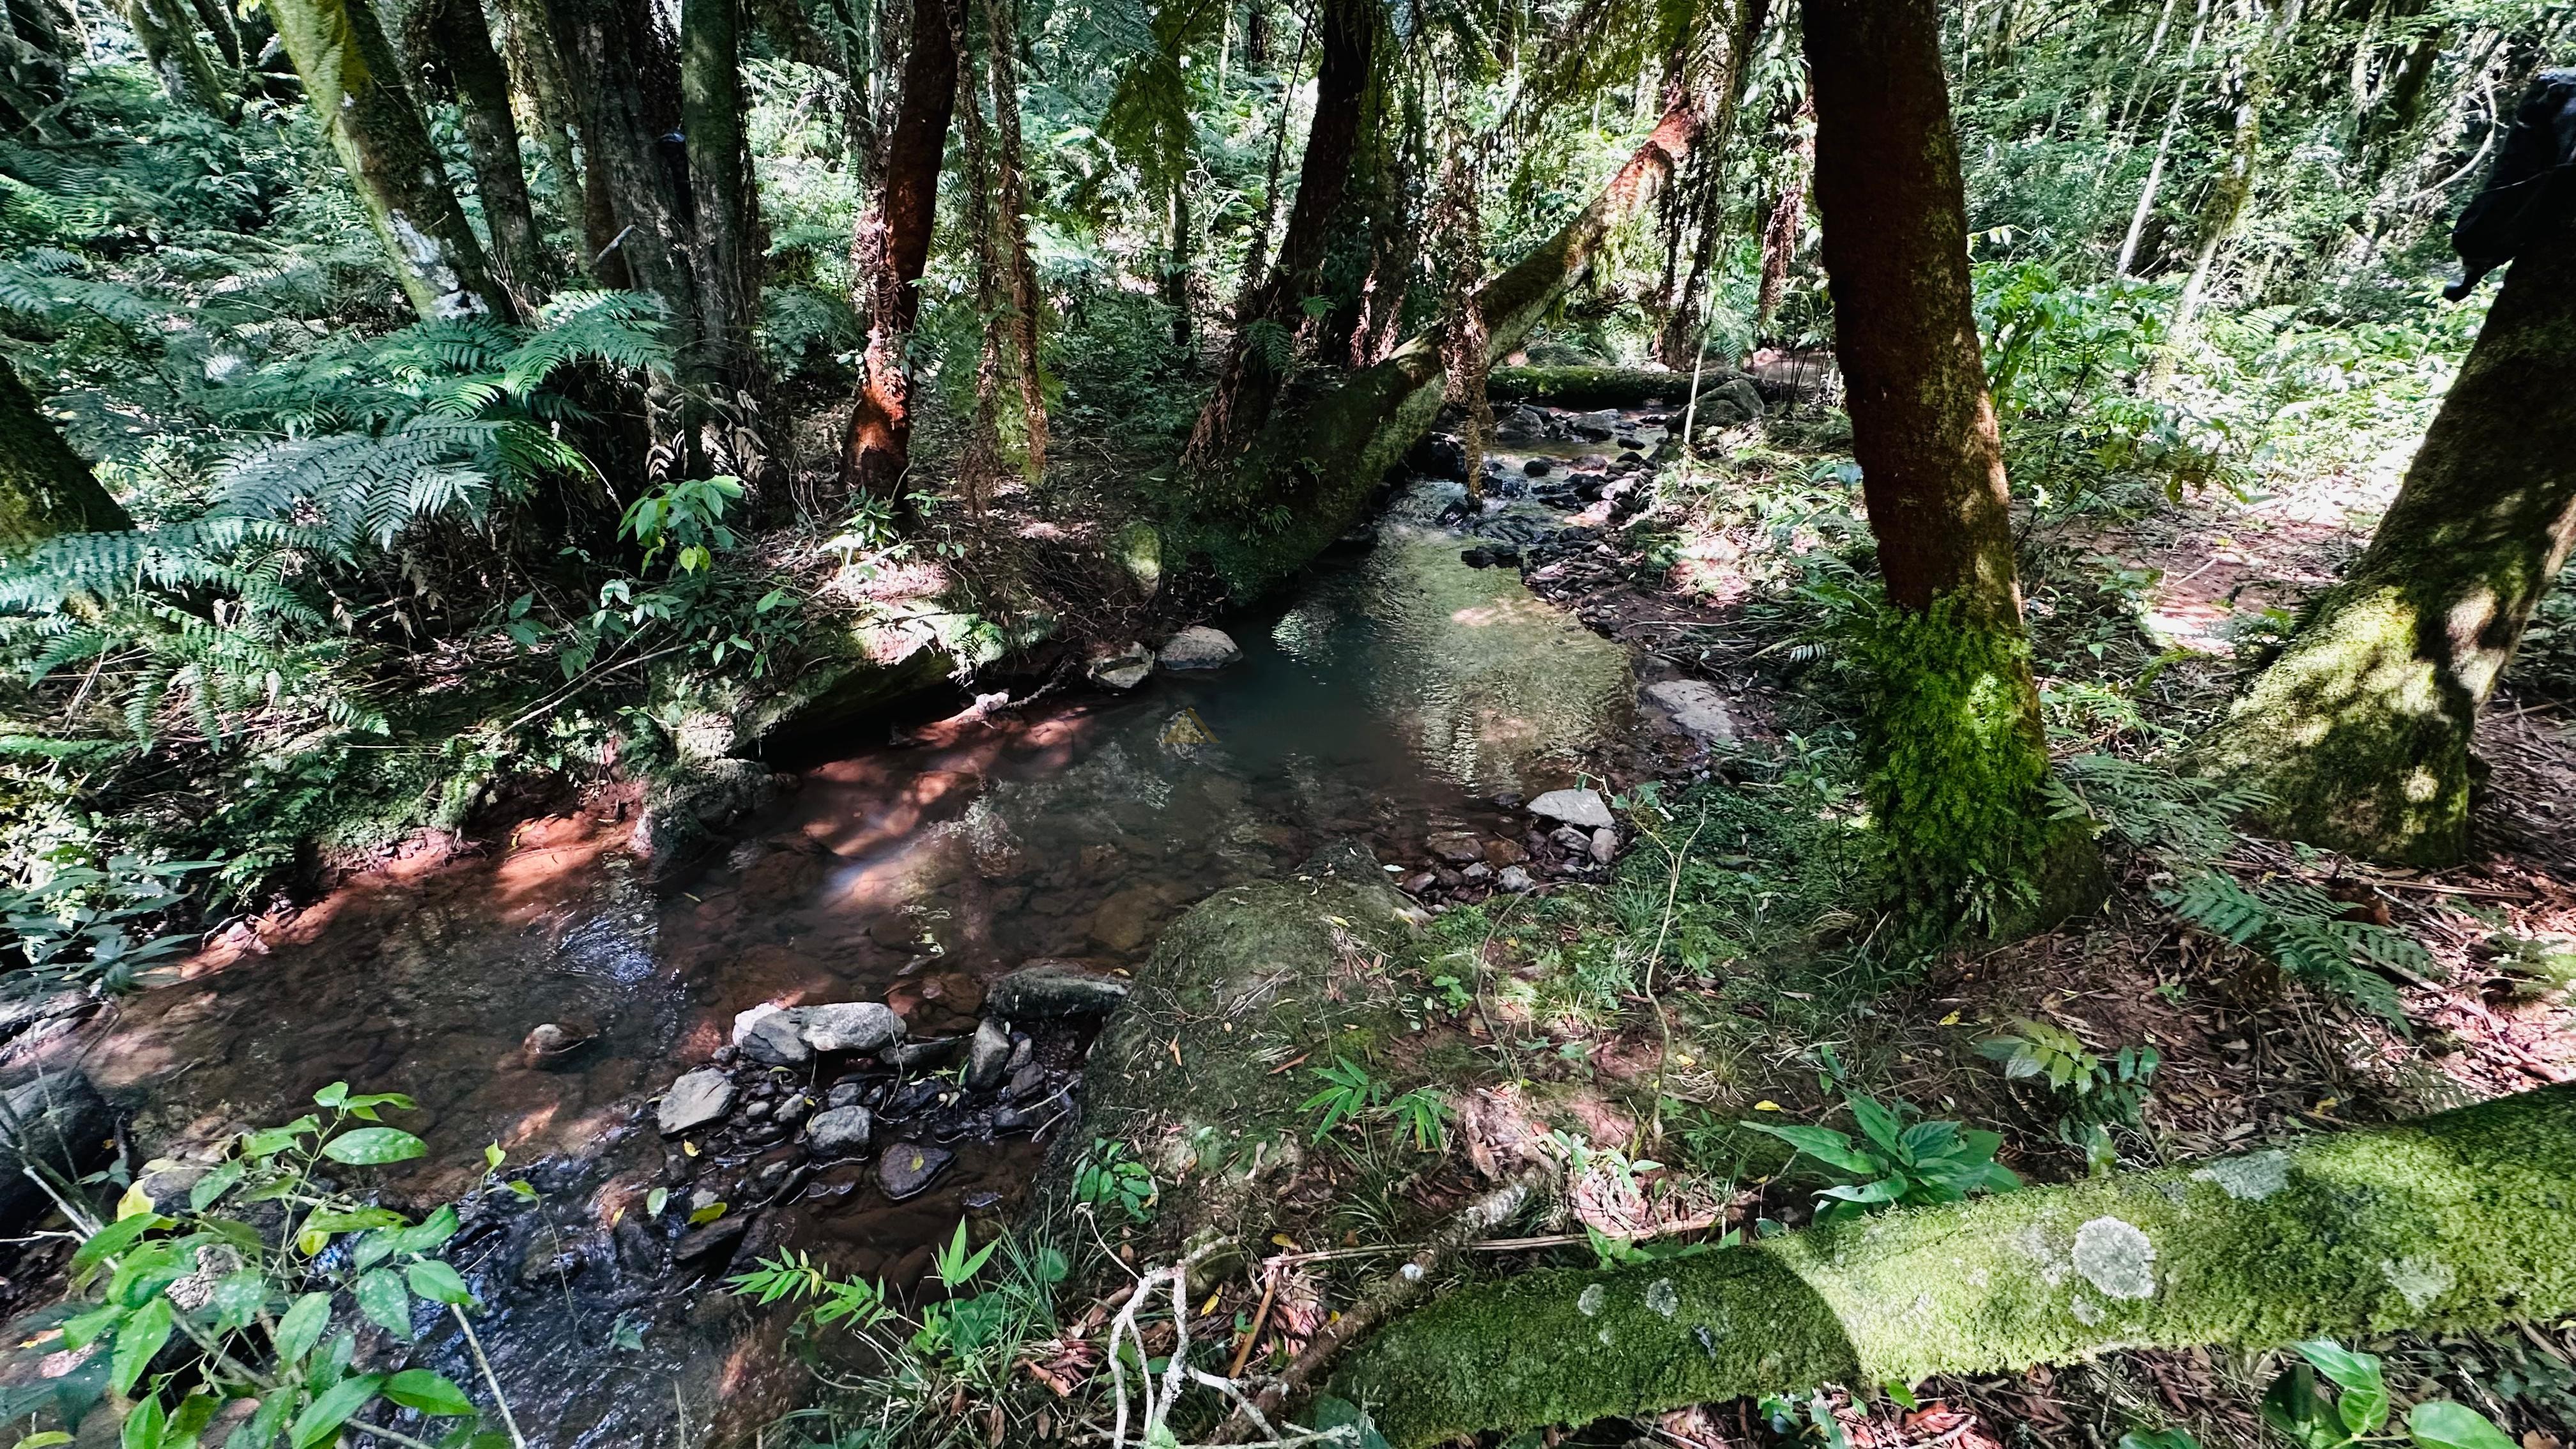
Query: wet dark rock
[
  {"x": 550, "y": 1261},
  {"x": 1598, "y": 427},
  {"x": 1457, "y": 847},
  {"x": 987, "y": 1056},
  {"x": 638, "y": 1251},
  {"x": 755, "y": 1111},
  {"x": 792, "y": 1109},
  {"x": 1012, "y": 1119},
  {"x": 1026, "y": 1081},
  {"x": 1486, "y": 556},
  {"x": 700, "y": 1097},
  {"x": 702, "y": 1241},
  {"x": 908, "y": 1169},
  {"x": 1046, "y": 990},
  {"x": 56, "y": 1119},
  {"x": 1199, "y": 647},
  {"x": 1416, "y": 884},
  {"x": 922, "y": 1056},
  {"x": 1536, "y": 467},
  {"x": 551, "y": 1044},
  {"x": 845, "y": 1092},
  {"x": 839, "y": 1132},
  {"x": 1438, "y": 455},
  {"x": 914, "y": 1098}
]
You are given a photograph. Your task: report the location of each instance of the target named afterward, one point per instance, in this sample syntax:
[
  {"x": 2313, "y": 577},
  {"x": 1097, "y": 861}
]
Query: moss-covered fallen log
[{"x": 2462, "y": 1220}]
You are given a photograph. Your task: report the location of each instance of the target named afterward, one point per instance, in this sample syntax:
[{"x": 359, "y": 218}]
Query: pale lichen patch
[
  {"x": 1589, "y": 1301},
  {"x": 2116, "y": 1258},
  {"x": 2251, "y": 1178},
  {"x": 2085, "y": 1310},
  {"x": 1663, "y": 1297},
  {"x": 2419, "y": 1279}
]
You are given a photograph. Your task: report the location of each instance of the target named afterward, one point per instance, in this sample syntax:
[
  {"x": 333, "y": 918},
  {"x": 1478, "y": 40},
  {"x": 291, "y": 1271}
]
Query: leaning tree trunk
[
  {"x": 45, "y": 487},
  {"x": 2164, "y": 150},
  {"x": 1314, "y": 465},
  {"x": 2360, "y": 731},
  {"x": 1244, "y": 390},
  {"x": 2466, "y": 1220},
  {"x": 167, "y": 35},
  {"x": 464, "y": 41},
  {"x": 893, "y": 248},
  {"x": 1958, "y": 755},
  {"x": 353, "y": 81}
]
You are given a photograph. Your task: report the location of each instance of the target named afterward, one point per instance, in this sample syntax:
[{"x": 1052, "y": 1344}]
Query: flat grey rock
[
  {"x": 849, "y": 1026},
  {"x": 1046, "y": 990},
  {"x": 1697, "y": 706},
  {"x": 988, "y": 1056},
  {"x": 840, "y": 1132},
  {"x": 1514, "y": 879},
  {"x": 701, "y": 1097},
  {"x": 1198, "y": 647},
  {"x": 768, "y": 1034},
  {"x": 1585, "y": 808},
  {"x": 1123, "y": 670}
]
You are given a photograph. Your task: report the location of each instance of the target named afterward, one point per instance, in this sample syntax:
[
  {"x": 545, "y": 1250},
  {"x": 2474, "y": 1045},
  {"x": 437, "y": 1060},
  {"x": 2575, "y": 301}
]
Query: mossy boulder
[
  {"x": 1200, "y": 1073},
  {"x": 2462, "y": 1220}
]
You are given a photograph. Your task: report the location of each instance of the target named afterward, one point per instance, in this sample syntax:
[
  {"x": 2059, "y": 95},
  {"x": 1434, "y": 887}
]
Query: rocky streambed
[{"x": 868, "y": 1018}]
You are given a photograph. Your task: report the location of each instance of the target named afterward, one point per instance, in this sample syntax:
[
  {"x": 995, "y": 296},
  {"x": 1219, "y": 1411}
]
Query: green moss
[
  {"x": 2462, "y": 1220},
  {"x": 1255, "y": 976},
  {"x": 1958, "y": 767}
]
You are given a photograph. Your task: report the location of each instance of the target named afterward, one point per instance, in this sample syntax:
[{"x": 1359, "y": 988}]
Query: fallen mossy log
[
  {"x": 1308, "y": 476},
  {"x": 1601, "y": 387},
  {"x": 2457, "y": 1221}
]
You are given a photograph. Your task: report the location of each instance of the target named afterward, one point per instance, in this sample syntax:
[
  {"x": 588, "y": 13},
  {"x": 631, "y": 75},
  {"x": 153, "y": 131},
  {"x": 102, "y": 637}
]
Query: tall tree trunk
[
  {"x": 167, "y": 34},
  {"x": 625, "y": 77},
  {"x": 2164, "y": 149},
  {"x": 724, "y": 251},
  {"x": 464, "y": 47},
  {"x": 2225, "y": 207},
  {"x": 1787, "y": 224},
  {"x": 353, "y": 81},
  {"x": 45, "y": 487},
  {"x": 1959, "y": 757},
  {"x": 1683, "y": 324},
  {"x": 537, "y": 71},
  {"x": 2360, "y": 731},
  {"x": 217, "y": 18},
  {"x": 1176, "y": 267},
  {"x": 894, "y": 245},
  {"x": 1002, "y": 25},
  {"x": 1251, "y": 377}
]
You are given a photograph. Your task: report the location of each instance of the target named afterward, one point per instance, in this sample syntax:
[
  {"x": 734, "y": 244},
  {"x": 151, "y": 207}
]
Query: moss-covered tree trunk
[
  {"x": 2360, "y": 730},
  {"x": 892, "y": 249},
  {"x": 1784, "y": 225},
  {"x": 724, "y": 234},
  {"x": 1678, "y": 341},
  {"x": 463, "y": 40},
  {"x": 353, "y": 81},
  {"x": 166, "y": 33},
  {"x": 45, "y": 487},
  {"x": 1246, "y": 387},
  {"x": 1959, "y": 758},
  {"x": 2459, "y": 1221},
  {"x": 622, "y": 61}
]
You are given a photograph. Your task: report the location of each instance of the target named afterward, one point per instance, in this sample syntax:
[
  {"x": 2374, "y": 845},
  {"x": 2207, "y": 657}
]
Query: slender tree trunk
[
  {"x": 724, "y": 253},
  {"x": 1959, "y": 755},
  {"x": 1176, "y": 269},
  {"x": 895, "y": 246},
  {"x": 353, "y": 81},
  {"x": 464, "y": 44},
  {"x": 218, "y": 21},
  {"x": 2164, "y": 149},
  {"x": 167, "y": 34},
  {"x": 1252, "y": 373},
  {"x": 1787, "y": 224},
  {"x": 625, "y": 77},
  {"x": 981, "y": 465},
  {"x": 536, "y": 69},
  {"x": 1002, "y": 25},
  {"x": 2360, "y": 732},
  {"x": 45, "y": 487},
  {"x": 2228, "y": 194}
]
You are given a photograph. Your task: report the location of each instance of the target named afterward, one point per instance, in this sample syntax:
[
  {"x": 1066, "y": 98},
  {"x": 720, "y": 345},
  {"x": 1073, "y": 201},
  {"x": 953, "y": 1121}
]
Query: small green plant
[
  {"x": 87, "y": 924},
  {"x": 832, "y": 1301},
  {"x": 1928, "y": 1162},
  {"x": 2099, "y": 1095},
  {"x": 250, "y": 1278},
  {"x": 687, "y": 515},
  {"x": 1423, "y": 1115},
  {"x": 1107, "y": 1176},
  {"x": 2358, "y": 1411},
  {"x": 1350, "y": 1094}
]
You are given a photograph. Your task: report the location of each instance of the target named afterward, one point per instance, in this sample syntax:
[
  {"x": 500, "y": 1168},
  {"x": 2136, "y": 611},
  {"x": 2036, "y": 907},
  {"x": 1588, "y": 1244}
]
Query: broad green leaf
[
  {"x": 434, "y": 1280},
  {"x": 707, "y": 1214},
  {"x": 366, "y": 1106},
  {"x": 425, "y": 1236},
  {"x": 137, "y": 1340},
  {"x": 352, "y": 1220},
  {"x": 332, "y": 1096},
  {"x": 1876, "y": 1122},
  {"x": 113, "y": 1239},
  {"x": 428, "y": 1392},
  {"x": 275, "y": 1140},
  {"x": 237, "y": 1297},
  {"x": 263, "y": 1428},
  {"x": 135, "y": 1203},
  {"x": 382, "y": 1297},
  {"x": 2363, "y": 1405},
  {"x": 214, "y": 1185},
  {"x": 327, "y": 1413},
  {"x": 84, "y": 1329},
  {"x": 143, "y": 1427},
  {"x": 1821, "y": 1143},
  {"x": 302, "y": 1327},
  {"x": 655, "y": 1201},
  {"x": 2442, "y": 1424},
  {"x": 369, "y": 1146},
  {"x": 45, "y": 1440}
]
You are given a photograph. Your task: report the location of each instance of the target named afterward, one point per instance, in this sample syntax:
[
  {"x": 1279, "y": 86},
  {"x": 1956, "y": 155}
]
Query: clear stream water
[{"x": 1391, "y": 698}]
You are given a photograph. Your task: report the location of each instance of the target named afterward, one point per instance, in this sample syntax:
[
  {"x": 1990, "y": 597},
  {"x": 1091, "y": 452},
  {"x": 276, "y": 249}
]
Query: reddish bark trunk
[
  {"x": 1233, "y": 417},
  {"x": 877, "y": 450}
]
